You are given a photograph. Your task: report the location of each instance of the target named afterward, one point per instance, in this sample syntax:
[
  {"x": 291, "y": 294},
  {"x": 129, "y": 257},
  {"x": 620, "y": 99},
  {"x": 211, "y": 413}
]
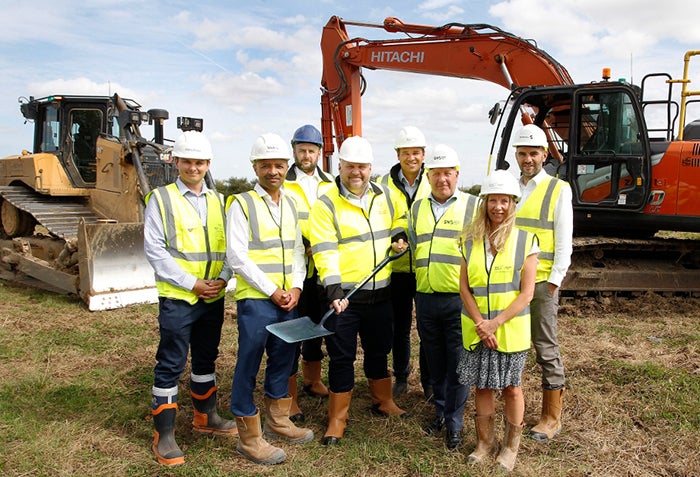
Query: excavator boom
[{"x": 476, "y": 51}]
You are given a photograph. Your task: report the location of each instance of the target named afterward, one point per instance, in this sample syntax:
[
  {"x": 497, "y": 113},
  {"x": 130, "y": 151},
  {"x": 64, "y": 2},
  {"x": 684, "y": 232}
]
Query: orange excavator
[{"x": 631, "y": 183}]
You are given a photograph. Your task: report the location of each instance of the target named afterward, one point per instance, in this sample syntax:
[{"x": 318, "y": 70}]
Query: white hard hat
[
  {"x": 530, "y": 135},
  {"x": 356, "y": 149},
  {"x": 442, "y": 156},
  {"x": 269, "y": 146},
  {"x": 409, "y": 136},
  {"x": 192, "y": 145},
  {"x": 500, "y": 182}
]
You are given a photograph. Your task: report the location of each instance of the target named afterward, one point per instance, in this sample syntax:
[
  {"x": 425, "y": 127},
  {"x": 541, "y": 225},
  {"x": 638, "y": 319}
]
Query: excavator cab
[{"x": 594, "y": 141}]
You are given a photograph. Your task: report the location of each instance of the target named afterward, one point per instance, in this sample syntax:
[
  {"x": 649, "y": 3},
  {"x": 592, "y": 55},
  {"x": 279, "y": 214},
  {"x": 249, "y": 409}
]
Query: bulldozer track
[{"x": 59, "y": 215}]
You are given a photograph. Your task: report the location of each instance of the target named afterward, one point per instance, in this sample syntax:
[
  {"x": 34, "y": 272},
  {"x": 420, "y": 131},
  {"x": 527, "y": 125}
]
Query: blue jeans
[
  {"x": 438, "y": 316},
  {"x": 183, "y": 328},
  {"x": 253, "y": 341}
]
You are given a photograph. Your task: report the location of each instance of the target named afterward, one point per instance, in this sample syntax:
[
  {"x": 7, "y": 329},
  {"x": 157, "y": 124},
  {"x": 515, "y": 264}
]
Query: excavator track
[
  {"x": 59, "y": 215},
  {"x": 606, "y": 265}
]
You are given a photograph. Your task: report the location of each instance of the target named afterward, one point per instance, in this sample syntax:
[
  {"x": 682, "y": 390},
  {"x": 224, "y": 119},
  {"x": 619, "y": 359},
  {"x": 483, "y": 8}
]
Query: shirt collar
[{"x": 182, "y": 187}]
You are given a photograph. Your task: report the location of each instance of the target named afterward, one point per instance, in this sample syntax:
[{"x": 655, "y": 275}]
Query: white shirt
[
  {"x": 237, "y": 233},
  {"x": 563, "y": 227},
  {"x": 309, "y": 184}
]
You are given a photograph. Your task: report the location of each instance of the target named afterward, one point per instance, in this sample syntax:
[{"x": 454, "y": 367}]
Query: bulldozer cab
[
  {"x": 69, "y": 128},
  {"x": 594, "y": 141}
]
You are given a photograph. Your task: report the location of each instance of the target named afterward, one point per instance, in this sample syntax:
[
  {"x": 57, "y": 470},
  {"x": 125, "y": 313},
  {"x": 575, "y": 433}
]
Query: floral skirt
[{"x": 486, "y": 368}]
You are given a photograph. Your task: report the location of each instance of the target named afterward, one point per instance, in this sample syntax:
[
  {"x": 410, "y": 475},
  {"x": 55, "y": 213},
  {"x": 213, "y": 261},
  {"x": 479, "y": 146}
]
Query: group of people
[{"x": 483, "y": 272}]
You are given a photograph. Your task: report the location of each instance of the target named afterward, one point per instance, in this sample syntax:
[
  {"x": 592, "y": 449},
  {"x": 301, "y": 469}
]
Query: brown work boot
[
  {"x": 206, "y": 420},
  {"x": 164, "y": 446},
  {"x": 511, "y": 444},
  {"x": 550, "y": 420},
  {"x": 252, "y": 445},
  {"x": 295, "y": 414},
  {"x": 277, "y": 423},
  {"x": 383, "y": 400},
  {"x": 485, "y": 438},
  {"x": 338, "y": 406},
  {"x": 313, "y": 386}
]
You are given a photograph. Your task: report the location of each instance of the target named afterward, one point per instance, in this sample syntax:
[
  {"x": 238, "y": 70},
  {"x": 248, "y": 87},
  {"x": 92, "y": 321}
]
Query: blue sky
[{"x": 255, "y": 67}]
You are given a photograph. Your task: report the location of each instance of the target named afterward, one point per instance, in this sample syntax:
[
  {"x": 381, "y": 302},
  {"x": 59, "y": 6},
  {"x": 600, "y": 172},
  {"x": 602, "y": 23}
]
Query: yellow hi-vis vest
[
  {"x": 407, "y": 263},
  {"x": 438, "y": 258},
  {"x": 294, "y": 190},
  {"x": 536, "y": 215},
  {"x": 198, "y": 250},
  {"x": 348, "y": 243},
  {"x": 496, "y": 288},
  {"x": 270, "y": 245}
]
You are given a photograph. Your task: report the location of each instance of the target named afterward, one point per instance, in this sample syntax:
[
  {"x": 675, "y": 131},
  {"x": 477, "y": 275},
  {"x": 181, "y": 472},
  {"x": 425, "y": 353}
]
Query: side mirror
[{"x": 494, "y": 112}]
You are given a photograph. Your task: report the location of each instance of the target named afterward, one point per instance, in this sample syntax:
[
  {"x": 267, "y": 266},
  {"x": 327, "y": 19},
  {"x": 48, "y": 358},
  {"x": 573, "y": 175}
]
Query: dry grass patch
[{"x": 75, "y": 394}]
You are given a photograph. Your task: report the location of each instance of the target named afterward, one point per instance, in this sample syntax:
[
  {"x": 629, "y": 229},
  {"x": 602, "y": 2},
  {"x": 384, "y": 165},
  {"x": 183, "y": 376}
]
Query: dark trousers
[
  {"x": 184, "y": 327},
  {"x": 312, "y": 304},
  {"x": 372, "y": 321},
  {"x": 403, "y": 291},
  {"x": 440, "y": 326}
]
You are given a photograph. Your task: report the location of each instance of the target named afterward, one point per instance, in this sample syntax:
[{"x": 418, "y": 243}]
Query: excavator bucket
[{"x": 114, "y": 272}]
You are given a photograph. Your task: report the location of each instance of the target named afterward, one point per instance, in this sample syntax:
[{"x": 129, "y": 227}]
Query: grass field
[{"x": 75, "y": 400}]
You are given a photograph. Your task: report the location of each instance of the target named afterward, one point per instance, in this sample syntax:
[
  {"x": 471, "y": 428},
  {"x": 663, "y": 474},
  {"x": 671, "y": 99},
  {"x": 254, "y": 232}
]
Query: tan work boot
[
  {"x": 383, "y": 400},
  {"x": 313, "y": 386},
  {"x": 277, "y": 423},
  {"x": 511, "y": 444},
  {"x": 338, "y": 406},
  {"x": 485, "y": 438},
  {"x": 252, "y": 445},
  {"x": 206, "y": 420},
  {"x": 550, "y": 420},
  {"x": 164, "y": 446},
  {"x": 295, "y": 414}
]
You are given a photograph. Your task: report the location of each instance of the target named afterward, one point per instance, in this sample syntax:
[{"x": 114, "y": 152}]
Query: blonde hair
[{"x": 481, "y": 227}]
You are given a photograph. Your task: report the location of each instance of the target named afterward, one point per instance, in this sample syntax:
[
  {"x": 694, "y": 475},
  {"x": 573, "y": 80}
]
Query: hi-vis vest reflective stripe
[
  {"x": 198, "y": 250},
  {"x": 294, "y": 190},
  {"x": 536, "y": 215},
  {"x": 438, "y": 258},
  {"x": 407, "y": 263},
  {"x": 270, "y": 246},
  {"x": 496, "y": 288},
  {"x": 348, "y": 243}
]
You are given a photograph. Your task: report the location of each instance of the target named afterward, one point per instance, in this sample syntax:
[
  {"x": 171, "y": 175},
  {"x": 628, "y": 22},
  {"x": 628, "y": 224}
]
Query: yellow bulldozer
[{"x": 72, "y": 210}]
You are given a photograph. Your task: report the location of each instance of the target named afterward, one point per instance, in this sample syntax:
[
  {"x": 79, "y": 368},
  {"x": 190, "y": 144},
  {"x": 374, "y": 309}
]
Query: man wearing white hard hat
[
  {"x": 497, "y": 281},
  {"x": 266, "y": 252},
  {"x": 435, "y": 223},
  {"x": 545, "y": 209},
  {"x": 352, "y": 226},
  {"x": 407, "y": 181},
  {"x": 183, "y": 223}
]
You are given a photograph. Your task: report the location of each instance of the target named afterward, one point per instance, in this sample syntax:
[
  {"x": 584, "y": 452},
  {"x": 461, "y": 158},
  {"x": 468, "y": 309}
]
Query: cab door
[{"x": 608, "y": 167}]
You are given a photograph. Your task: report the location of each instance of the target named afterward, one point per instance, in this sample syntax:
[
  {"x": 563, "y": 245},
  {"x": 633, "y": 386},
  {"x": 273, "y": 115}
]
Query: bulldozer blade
[
  {"x": 299, "y": 329},
  {"x": 114, "y": 272}
]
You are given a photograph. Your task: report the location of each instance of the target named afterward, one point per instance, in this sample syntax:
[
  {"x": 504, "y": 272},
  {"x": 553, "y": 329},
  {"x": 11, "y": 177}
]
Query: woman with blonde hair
[{"x": 497, "y": 282}]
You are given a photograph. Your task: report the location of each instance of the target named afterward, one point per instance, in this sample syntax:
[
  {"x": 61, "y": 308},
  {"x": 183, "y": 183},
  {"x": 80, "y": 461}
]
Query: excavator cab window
[
  {"x": 85, "y": 127},
  {"x": 610, "y": 152}
]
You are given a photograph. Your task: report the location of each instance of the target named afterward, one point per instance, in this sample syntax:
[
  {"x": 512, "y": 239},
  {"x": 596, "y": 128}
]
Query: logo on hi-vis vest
[
  {"x": 397, "y": 57},
  {"x": 503, "y": 268}
]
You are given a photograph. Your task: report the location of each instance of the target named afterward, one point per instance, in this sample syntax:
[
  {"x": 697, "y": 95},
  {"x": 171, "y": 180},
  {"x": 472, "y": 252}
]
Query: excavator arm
[{"x": 476, "y": 51}]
